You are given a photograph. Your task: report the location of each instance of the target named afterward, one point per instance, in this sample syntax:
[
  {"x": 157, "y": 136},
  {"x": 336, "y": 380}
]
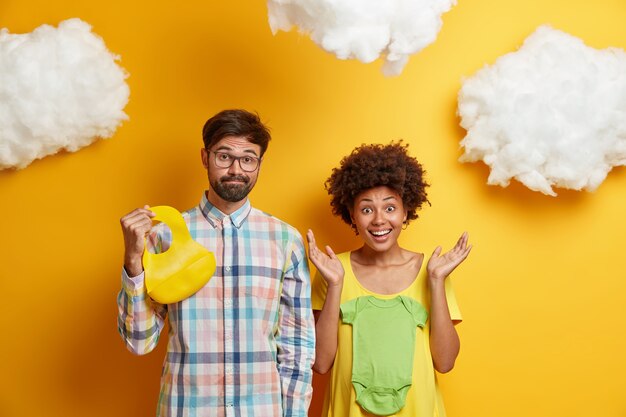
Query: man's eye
[
  {"x": 246, "y": 159},
  {"x": 223, "y": 156}
]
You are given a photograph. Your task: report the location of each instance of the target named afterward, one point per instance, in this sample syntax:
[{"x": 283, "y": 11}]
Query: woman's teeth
[{"x": 380, "y": 232}]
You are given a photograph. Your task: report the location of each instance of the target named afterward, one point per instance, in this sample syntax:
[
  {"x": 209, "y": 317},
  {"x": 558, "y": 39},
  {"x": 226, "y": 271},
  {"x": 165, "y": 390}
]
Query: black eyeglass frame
[{"x": 234, "y": 158}]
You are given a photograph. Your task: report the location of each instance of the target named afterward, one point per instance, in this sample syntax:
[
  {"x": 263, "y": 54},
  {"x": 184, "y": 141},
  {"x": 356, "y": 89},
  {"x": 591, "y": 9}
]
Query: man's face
[{"x": 232, "y": 183}]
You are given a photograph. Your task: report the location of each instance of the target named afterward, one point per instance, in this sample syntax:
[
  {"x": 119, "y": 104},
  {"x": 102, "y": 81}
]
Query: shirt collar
[{"x": 216, "y": 217}]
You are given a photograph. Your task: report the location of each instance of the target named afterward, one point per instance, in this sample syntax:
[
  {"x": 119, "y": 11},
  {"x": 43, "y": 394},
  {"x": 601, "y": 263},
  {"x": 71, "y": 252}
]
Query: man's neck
[{"x": 226, "y": 207}]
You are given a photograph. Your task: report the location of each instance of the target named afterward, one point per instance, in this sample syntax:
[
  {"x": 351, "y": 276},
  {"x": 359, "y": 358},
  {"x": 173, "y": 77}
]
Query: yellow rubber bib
[{"x": 183, "y": 269}]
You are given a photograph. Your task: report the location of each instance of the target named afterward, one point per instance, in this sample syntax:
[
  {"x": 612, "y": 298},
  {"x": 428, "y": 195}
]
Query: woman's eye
[
  {"x": 366, "y": 210},
  {"x": 390, "y": 209}
]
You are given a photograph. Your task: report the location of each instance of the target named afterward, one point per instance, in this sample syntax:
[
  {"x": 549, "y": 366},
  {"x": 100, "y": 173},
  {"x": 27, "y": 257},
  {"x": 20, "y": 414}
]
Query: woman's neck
[{"x": 368, "y": 256}]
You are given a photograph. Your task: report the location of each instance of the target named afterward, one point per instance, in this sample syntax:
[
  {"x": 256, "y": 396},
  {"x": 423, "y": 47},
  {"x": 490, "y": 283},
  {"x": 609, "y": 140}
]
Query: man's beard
[{"x": 232, "y": 192}]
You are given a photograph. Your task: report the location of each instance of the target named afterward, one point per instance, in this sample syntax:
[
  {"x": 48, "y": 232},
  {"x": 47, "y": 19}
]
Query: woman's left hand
[{"x": 440, "y": 266}]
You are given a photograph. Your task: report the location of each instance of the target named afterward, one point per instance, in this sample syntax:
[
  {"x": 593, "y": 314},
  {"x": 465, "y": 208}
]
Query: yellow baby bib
[{"x": 183, "y": 269}]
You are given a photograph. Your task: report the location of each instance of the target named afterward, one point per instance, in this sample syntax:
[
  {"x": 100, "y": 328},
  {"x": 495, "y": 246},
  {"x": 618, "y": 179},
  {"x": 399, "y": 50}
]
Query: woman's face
[{"x": 379, "y": 215}]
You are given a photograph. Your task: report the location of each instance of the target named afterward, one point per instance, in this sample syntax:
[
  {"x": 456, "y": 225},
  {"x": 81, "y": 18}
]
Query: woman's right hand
[
  {"x": 326, "y": 263},
  {"x": 135, "y": 227}
]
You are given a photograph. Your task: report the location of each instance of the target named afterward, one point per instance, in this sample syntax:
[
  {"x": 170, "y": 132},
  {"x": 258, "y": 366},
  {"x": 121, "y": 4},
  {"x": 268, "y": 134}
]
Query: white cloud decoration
[
  {"x": 60, "y": 88},
  {"x": 364, "y": 29},
  {"x": 552, "y": 114}
]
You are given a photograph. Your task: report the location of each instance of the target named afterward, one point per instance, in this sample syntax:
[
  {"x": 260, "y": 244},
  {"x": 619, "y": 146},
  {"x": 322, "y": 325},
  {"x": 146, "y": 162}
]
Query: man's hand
[{"x": 135, "y": 227}]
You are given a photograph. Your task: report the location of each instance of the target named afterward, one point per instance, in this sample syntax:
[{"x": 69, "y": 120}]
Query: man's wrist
[{"x": 133, "y": 268}]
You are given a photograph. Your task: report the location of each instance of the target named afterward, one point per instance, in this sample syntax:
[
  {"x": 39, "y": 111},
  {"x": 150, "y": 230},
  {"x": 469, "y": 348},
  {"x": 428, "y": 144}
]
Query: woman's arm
[
  {"x": 326, "y": 320},
  {"x": 444, "y": 340},
  {"x": 326, "y": 328}
]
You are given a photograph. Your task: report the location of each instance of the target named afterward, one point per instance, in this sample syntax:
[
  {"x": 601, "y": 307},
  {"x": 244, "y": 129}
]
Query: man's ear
[{"x": 204, "y": 154}]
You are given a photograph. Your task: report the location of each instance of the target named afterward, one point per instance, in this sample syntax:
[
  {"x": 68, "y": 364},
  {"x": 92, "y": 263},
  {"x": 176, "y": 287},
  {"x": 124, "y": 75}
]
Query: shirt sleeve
[
  {"x": 348, "y": 311},
  {"x": 296, "y": 334},
  {"x": 419, "y": 313},
  {"x": 453, "y": 307},
  {"x": 139, "y": 318}
]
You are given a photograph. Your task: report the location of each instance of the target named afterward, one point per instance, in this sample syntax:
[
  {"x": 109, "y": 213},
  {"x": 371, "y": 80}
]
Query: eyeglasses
[{"x": 247, "y": 163}]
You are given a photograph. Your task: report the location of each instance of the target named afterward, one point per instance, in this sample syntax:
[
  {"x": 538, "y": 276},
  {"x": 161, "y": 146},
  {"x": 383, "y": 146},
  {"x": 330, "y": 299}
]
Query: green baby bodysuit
[{"x": 383, "y": 340}]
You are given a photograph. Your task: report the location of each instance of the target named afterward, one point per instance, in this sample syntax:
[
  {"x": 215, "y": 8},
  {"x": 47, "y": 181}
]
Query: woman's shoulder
[
  {"x": 344, "y": 256},
  {"x": 411, "y": 253},
  {"x": 412, "y": 259}
]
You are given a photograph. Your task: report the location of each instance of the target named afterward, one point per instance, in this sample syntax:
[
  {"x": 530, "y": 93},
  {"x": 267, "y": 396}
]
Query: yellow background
[{"x": 542, "y": 293}]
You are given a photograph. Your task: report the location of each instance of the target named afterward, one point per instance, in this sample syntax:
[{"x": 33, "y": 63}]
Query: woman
[{"x": 384, "y": 318}]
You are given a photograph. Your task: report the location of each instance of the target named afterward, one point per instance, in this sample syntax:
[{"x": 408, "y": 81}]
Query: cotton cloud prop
[
  {"x": 364, "y": 29},
  {"x": 551, "y": 114},
  {"x": 59, "y": 89}
]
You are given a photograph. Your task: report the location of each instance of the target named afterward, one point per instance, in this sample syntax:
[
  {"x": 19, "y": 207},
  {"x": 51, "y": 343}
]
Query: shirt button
[
  {"x": 229, "y": 404},
  {"x": 229, "y": 369},
  {"x": 227, "y": 268},
  {"x": 228, "y": 302}
]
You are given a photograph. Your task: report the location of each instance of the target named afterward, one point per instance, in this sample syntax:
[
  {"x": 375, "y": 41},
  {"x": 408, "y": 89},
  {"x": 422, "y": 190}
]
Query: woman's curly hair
[{"x": 375, "y": 165}]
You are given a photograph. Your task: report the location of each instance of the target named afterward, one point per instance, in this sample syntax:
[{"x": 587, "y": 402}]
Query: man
[{"x": 243, "y": 345}]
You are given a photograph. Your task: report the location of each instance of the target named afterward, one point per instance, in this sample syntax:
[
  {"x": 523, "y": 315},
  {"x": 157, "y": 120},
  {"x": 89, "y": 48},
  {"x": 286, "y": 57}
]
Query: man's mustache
[{"x": 241, "y": 178}]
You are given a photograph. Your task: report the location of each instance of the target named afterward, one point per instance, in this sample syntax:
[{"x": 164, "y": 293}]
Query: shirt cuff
[{"x": 132, "y": 285}]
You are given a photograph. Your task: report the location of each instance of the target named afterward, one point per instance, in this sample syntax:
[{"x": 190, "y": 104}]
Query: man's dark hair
[{"x": 238, "y": 123}]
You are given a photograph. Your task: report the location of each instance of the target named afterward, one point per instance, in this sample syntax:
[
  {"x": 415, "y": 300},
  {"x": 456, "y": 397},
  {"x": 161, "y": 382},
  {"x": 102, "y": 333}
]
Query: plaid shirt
[{"x": 244, "y": 344}]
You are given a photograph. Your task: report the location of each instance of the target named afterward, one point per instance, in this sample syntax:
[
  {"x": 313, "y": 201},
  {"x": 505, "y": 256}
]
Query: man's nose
[{"x": 235, "y": 168}]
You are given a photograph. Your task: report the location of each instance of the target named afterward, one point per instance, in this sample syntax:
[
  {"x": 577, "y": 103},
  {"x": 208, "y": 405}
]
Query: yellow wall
[{"x": 542, "y": 292}]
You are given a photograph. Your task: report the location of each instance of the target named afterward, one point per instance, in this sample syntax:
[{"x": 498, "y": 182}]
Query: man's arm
[
  {"x": 140, "y": 320},
  {"x": 296, "y": 334}
]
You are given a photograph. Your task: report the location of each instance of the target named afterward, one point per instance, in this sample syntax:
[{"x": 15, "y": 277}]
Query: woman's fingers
[
  {"x": 330, "y": 252},
  {"x": 310, "y": 237}
]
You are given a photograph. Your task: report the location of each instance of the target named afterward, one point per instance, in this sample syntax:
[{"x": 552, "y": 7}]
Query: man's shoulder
[
  {"x": 191, "y": 212},
  {"x": 260, "y": 216},
  {"x": 191, "y": 215},
  {"x": 188, "y": 215}
]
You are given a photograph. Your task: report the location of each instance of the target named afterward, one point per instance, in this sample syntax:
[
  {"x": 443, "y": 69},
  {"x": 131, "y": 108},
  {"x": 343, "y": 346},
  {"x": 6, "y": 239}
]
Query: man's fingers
[
  {"x": 145, "y": 211},
  {"x": 140, "y": 227},
  {"x": 137, "y": 215}
]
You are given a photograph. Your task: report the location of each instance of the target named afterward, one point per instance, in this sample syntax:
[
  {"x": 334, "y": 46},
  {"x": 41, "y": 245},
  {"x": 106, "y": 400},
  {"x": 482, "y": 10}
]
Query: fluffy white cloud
[
  {"x": 59, "y": 89},
  {"x": 551, "y": 114},
  {"x": 364, "y": 29}
]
